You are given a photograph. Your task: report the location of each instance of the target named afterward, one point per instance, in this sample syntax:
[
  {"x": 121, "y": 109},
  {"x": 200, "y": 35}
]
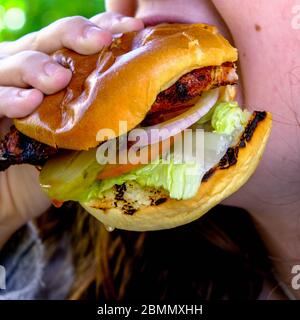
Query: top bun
[{"x": 122, "y": 82}]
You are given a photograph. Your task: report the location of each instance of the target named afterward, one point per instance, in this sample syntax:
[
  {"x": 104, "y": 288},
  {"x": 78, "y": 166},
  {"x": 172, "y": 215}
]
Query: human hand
[{"x": 27, "y": 73}]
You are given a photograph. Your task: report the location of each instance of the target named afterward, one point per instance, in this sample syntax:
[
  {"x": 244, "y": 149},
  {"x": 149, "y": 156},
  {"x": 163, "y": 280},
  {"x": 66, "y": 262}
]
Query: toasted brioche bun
[
  {"x": 122, "y": 82},
  {"x": 219, "y": 186}
]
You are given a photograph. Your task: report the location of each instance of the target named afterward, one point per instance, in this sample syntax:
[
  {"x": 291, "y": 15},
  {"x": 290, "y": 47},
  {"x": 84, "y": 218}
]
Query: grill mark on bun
[
  {"x": 231, "y": 156},
  {"x": 248, "y": 133},
  {"x": 130, "y": 197},
  {"x": 160, "y": 201},
  {"x": 208, "y": 174},
  {"x": 120, "y": 191},
  {"x": 128, "y": 209}
]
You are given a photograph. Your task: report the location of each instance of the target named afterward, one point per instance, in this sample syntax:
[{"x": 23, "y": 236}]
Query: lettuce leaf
[
  {"x": 228, "y": 118},
  {"x": 182, "y": 180}
]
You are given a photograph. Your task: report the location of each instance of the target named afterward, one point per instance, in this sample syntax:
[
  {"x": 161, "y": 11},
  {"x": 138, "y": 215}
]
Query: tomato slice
[{"x": 148, "y": 154}]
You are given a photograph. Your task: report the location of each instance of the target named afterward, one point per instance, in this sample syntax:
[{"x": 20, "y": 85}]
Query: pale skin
[{"x": 270, "y": 72}]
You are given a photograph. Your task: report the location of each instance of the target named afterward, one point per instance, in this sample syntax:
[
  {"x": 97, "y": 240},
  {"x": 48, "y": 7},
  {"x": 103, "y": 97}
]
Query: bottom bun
[{"x": 219, "y": 186}]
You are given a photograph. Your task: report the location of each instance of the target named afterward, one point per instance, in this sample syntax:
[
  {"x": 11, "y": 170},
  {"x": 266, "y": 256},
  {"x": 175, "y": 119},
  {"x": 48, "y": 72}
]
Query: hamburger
[{"x": 169, "y": 78}]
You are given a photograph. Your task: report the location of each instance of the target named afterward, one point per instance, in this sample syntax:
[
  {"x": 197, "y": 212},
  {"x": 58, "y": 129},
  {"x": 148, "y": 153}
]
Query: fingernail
[
  {"x": 90, "y": 31},
  {"x": 24, "y": 93},
  {"x": 125, "y": 19},
  {"x": 51, "y": 68}
]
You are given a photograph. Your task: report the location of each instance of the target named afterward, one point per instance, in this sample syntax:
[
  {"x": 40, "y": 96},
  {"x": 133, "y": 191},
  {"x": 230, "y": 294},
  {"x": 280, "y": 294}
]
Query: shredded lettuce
[{"x": 228, "y": 118}]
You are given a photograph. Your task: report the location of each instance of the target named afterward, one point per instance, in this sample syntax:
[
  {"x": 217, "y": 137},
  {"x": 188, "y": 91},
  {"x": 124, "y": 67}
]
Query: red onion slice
[{"x": 169, "y": 128}]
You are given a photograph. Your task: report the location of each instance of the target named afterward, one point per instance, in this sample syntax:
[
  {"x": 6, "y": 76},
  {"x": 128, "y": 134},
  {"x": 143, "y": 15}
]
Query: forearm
[
  {"x": 16, "y": 207},
  {"x": 10, "y": 221}
]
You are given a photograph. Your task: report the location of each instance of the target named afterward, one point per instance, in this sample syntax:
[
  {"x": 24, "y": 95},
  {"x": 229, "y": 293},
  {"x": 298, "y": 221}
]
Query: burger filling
[
  {"x": 190, "y": 103},
  {"x": 75, "y": 176}
]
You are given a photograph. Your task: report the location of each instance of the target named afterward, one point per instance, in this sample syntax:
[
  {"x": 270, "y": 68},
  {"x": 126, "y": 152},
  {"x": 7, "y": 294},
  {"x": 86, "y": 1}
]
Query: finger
[
  {"x": 125, "y": 7},
  {"x": 33, "y": 69},
  {"x": 18, "y": 103},
  {"x": 76, "y": 33},
  {"x": 117, "y": 23}
]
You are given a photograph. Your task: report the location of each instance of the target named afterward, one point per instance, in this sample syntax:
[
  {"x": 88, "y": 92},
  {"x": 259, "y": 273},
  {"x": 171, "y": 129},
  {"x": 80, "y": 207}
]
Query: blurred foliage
[{"x": 35, "y": 14}]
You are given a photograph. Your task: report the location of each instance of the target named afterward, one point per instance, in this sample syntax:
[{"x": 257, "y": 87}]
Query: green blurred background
[{"x": 18, "y": 17}]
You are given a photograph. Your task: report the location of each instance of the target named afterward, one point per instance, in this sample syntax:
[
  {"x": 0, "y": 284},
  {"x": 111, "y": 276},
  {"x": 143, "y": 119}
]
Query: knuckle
[
  {"x": 30, "y": 56},
  {"x": 116, "y": 17},
  {"x": 30, "y": 67},
  {"x": 103, "y": 16},
  {"x": 76, "y": 21},
  {"x": 106, "y": 19}
]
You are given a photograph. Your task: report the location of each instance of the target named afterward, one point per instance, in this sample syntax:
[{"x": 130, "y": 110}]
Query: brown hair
[{"x": 219, "y": 256}]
